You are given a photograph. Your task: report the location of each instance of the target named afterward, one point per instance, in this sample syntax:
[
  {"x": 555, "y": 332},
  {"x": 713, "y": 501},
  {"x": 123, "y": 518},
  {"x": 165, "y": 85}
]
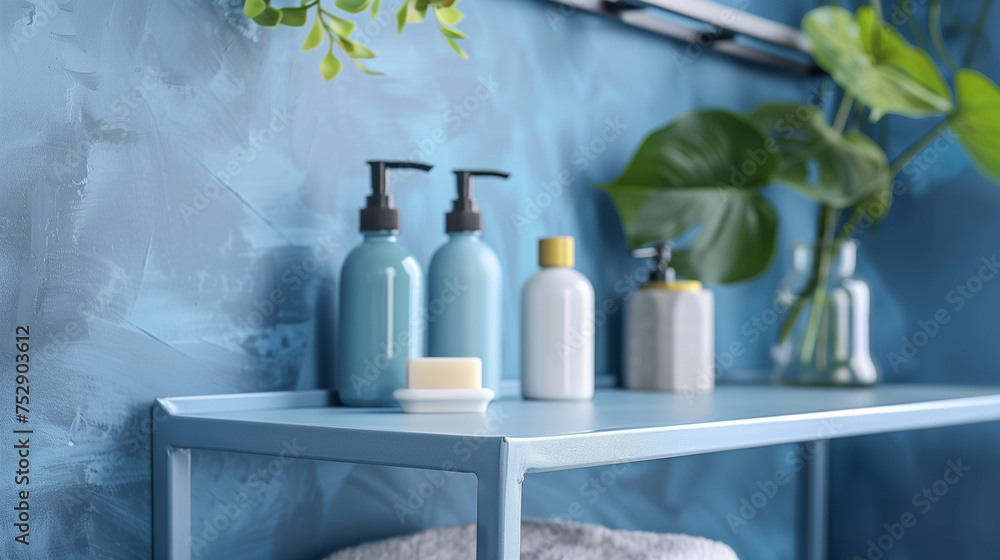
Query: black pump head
[
  {"x": 464, "y": 215},
  {"x": 381, "y": 214},
  {"x": 660, "y": 253}
]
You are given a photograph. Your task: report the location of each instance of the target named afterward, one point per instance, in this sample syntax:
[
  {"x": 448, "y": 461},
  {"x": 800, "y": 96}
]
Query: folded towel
[{"x": 545, "y": 540}]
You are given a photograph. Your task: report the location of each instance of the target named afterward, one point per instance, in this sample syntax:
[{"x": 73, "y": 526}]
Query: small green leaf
[
  {"x": 401, "y": 16},
  {"x": 869, "y": 212},
  {"x": 270, "y": 17},
  {"x": 875, "y": 64},
  {"x": 817, "y": 161},
  {"x": 340, "y": 26},
  {"x": 455, "y": 47},
  {"x": 977, "y": 123},
  {"x": 355, "y": 49},
  {"x": 366, "y": 70},
  {"x": 329, "y": 67},
  {"x": 416, "y": 11},
  {"x": 352, "y": 6},
  {"x": 376, "y": 5},
  {"x": 448, "y": 16},
  {"x": 889, "y": 48},
  {"x": 452, "y": 33},
  {"x": 315, "y": 37},
  {"x": 706, "y": 168},
  {"x": 253, "y": 8},
  {"x": 294, "y": 17}
]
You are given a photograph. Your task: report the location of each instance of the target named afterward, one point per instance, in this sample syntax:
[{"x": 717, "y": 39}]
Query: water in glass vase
[{"x": 825, "y": 339}]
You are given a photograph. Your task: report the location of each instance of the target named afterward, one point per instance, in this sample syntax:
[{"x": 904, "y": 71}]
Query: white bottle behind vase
[{"x": 557, "y": 327}]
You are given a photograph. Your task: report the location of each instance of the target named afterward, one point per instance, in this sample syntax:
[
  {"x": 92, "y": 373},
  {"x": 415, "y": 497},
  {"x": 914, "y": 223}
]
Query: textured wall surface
[{"x": 166, "y": 167}]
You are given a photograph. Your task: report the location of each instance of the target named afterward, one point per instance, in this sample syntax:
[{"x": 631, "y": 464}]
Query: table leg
[
  {"x": 813, "y": 500},
  {"x": 171, "y": 503},
  {"x": 498, "y": 515}
]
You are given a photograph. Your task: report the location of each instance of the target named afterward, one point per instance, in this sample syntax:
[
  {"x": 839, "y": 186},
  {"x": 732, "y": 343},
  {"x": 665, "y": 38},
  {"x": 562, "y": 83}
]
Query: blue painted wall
[{"x": 166, "y": 167}]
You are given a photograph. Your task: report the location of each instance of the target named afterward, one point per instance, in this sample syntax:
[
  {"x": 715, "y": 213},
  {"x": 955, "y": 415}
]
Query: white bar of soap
[{"x": 444, "y": 373}]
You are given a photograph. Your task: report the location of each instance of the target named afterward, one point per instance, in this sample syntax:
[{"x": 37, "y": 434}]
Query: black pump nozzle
[
  {"x": 464, "y": 215},
  {"x": 660, "y": 253},
  {"x": 380, "y": 214}
]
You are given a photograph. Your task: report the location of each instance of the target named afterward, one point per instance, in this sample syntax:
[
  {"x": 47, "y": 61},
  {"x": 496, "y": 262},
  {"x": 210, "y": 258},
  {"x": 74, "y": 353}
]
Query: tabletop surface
[{"x": 618, "y": 409}]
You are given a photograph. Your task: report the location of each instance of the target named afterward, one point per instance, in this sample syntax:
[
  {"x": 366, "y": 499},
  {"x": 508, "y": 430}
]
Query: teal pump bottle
[
  {"x": 464, "y": 284},
  {"x": 381, "y": 291}
]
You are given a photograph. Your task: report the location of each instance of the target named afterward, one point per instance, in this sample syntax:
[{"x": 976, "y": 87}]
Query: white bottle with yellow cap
[
  {"x": 557, "y": 327},
  {"x": 669, "y": 332}
]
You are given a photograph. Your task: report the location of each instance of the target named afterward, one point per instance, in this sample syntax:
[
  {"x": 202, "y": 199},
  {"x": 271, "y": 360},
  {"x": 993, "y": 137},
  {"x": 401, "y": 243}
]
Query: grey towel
[{"x": 545, "y": 540}]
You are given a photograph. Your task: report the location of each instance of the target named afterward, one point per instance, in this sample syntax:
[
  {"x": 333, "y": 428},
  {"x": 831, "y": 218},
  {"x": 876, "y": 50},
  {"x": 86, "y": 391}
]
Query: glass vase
[{"x": 825, "y": 338}]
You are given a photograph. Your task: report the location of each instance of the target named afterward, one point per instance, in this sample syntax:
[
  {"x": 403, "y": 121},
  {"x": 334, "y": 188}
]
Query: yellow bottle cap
[
  {"x": 555, "y": 251},
  {"x": 675, "y": 286}
]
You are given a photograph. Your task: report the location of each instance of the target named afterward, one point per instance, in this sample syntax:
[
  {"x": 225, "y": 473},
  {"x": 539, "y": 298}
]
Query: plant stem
[
  {"x": 919, "y": 146},
  {"x": 822, "y": 225},
  {"x": 877, "y": 6},
  {"x": 911, "y": 22},
  {"x": 824, "y": 255},
  {"x": 793, "y": 313},
  {"x": 977, "y": 33},
  {"x": 937, "y": 35},
  {"x": 801, "y": 297},
  {"x": 843, "y": 112}
]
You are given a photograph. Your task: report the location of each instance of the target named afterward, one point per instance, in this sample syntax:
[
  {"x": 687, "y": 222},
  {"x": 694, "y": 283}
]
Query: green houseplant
[
  {"x": 707, "y": 168},
  {"x": 338, "y": 28}
]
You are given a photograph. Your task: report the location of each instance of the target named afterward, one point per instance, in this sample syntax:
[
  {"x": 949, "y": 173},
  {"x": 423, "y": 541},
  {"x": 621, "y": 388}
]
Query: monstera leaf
[
  {"x": 875, "y": 64},
  {"x": 703, "y": 170},
  {"x": 818, "y": 162},
  {"x": 977, "y": 121}
]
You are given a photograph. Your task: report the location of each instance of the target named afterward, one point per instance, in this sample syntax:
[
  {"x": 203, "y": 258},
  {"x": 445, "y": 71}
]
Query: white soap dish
[{"x": 443, "y": 400}]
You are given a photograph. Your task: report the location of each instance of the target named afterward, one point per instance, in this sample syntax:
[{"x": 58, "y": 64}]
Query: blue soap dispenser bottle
[
  {"x": 381, "y": 291},
  {"x": 464, "y": 284}
]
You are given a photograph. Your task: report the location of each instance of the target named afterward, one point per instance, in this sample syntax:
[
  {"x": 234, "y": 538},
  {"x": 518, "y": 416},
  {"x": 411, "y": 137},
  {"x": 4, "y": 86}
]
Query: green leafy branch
[
  {"x": 338, "y": 30},
  {"x": 445, "y": 13}
]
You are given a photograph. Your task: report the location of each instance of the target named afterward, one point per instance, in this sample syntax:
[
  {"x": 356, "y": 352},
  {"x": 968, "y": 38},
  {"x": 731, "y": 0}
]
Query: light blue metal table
[{"x": 519, "y": 437}]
